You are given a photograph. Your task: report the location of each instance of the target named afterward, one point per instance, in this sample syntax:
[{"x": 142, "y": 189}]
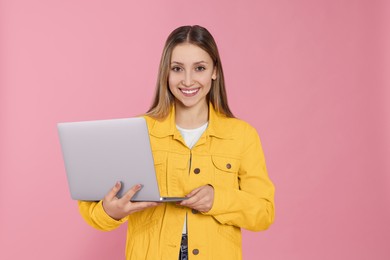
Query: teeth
[{"x": 189, "y": 91}]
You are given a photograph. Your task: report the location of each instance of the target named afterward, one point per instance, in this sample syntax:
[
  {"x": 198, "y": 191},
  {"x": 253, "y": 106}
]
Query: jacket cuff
[
  {"x": 221, "y": 199},
  {"x": 100, "y": 217}
]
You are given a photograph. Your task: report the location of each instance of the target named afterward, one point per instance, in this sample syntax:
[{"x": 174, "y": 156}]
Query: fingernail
[{"x": 140, "y": 186}]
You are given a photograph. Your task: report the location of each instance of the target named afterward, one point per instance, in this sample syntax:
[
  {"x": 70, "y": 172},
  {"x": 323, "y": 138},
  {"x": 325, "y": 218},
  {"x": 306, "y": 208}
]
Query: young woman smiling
[{"x": 201, "y": 151}]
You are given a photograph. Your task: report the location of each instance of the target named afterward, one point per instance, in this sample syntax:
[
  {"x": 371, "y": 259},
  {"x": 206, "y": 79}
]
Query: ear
[{"x": 214, "y": 75}]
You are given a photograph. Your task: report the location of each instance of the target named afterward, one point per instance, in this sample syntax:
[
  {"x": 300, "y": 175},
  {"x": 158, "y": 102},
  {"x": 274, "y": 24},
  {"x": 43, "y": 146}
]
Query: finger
[
  {"x": 138, "y": 206},
  {"x": 130, "y": 193},
  {"x": 112, "y": 193},
  {"x": 202, "y": 200},
  {"x": 193, "y": 192},
  {"x": 191, "y": 201},
  {"x": 193, "y": 197}
]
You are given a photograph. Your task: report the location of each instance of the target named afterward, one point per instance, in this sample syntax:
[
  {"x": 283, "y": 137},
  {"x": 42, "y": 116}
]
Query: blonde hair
[{"x": 163, "y": 98}]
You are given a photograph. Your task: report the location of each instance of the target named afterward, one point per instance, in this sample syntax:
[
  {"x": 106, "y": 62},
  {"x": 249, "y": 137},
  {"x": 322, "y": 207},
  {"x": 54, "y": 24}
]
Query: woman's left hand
[{"x": 201, "y": 199}]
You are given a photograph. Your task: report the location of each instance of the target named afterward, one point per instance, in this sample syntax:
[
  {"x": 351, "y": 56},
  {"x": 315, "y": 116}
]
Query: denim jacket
[{"x": 229, "y": 157}]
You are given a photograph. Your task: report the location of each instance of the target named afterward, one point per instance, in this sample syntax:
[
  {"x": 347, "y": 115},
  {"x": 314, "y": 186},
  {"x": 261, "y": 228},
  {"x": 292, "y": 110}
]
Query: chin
[{"x": 187, "y": 104}]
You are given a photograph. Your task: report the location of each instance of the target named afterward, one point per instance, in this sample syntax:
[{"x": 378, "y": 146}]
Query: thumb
[{"x": 193, "y": 192}]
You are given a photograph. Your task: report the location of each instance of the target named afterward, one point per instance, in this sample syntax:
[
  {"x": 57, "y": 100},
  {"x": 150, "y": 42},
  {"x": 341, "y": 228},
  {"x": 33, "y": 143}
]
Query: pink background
[{"x": 311, "y": 76}]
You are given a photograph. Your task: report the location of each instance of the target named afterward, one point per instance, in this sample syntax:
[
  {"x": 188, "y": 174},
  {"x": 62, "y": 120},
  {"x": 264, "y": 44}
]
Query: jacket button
[
  {"x": 195, "y": 251},
  {"x": 228, "y": 166},
  {"x": 194, "y": 211},
  {"x": 196, "y": 170}
]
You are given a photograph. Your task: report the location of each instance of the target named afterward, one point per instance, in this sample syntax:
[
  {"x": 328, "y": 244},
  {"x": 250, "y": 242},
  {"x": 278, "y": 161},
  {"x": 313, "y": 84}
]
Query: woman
[{"x": 200, "y": 151}]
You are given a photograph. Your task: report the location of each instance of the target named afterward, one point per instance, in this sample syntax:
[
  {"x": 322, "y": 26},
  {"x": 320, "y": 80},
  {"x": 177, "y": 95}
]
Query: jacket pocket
[{"x": 226, "y": 170}]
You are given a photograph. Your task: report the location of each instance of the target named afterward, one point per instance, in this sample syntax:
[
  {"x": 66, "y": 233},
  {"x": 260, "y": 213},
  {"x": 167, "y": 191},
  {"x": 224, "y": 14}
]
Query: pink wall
[{"x": 311, "y": 76}]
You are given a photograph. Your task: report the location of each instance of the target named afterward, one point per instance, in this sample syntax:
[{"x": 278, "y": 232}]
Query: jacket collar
[{"x": 167, "y": 126}]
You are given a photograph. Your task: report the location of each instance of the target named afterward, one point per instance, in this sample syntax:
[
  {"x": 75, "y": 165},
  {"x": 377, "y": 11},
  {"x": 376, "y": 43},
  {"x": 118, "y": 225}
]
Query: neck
[{"x": 190, "y": 118}]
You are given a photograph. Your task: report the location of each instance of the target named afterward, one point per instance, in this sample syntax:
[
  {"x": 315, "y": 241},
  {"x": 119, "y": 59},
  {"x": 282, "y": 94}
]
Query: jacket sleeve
[
  {"x": 251, "y": 206},
  {"x": 94, "y": 214}
]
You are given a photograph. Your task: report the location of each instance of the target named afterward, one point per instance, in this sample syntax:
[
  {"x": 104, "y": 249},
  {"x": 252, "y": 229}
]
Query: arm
[
  {"x": 94, "y": 214},
  {"x": 252, "y": 205},
  {"x": 111, "y": 212}
]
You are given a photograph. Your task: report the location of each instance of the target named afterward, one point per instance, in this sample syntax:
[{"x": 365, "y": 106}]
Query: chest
[{"x": 180, "y": 169}]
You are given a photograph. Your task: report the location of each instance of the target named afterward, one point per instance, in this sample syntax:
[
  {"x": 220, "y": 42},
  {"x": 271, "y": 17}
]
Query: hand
[
  {"x": 201, "y": 199},
  {"x": 120, "y": 208}
]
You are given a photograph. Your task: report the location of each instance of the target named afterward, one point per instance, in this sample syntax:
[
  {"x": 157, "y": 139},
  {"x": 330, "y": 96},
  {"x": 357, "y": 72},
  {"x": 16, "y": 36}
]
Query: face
[{"x": 190, "y": 76}]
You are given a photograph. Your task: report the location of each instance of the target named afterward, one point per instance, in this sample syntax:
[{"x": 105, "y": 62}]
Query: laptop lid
[{"x": 99, "y": 153}]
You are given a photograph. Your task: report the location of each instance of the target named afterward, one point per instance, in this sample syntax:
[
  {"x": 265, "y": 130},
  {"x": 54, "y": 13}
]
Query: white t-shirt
[{"x": 191, "y": 136}]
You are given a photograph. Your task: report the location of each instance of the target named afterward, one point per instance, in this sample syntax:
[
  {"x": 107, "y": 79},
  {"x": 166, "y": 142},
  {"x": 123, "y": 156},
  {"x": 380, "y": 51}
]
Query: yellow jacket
[{"x": 229, "y": 157}]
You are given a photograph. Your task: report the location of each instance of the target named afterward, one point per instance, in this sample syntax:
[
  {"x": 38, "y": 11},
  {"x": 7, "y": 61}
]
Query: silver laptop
[{"x": 97, "y": 154}]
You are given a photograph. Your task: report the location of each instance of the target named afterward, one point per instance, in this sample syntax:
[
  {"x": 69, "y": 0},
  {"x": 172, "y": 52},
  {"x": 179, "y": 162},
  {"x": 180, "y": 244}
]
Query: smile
[{"x": 189, "y": 92}]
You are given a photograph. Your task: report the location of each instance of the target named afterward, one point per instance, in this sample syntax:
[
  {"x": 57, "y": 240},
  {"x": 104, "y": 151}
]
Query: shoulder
[
  {"x": 239, "y": 123},
  {"x": 234, "y": 127},
  {"x": 150, "y": 121},
  {"x": 160, "y": 127}
]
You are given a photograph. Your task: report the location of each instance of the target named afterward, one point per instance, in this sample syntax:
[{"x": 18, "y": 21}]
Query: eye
[
  {"x": 176, "y": 69},
  {"x": 200, "y": 68}
]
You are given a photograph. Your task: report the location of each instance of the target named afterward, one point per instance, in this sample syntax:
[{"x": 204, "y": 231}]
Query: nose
[{"x": 188, "y": 81}]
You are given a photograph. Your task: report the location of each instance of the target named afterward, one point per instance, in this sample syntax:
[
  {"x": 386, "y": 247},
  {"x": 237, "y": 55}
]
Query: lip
[{"x": 189, "y": 92}]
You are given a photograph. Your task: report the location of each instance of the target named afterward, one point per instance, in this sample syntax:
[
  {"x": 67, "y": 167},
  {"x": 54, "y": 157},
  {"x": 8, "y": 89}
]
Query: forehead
[{"x": 189, "y": 53}]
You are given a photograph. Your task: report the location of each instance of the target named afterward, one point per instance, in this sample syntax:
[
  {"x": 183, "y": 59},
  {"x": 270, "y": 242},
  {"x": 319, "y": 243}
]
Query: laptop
[{"x": 99, "y": 153}]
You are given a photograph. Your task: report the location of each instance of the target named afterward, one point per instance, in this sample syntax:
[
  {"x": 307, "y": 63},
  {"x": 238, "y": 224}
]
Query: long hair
[{"x": 201, "y": 37}]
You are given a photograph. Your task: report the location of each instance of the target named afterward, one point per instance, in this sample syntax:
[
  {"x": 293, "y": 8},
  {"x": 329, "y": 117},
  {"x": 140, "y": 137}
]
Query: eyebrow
[{"x": 196, "y": 63}]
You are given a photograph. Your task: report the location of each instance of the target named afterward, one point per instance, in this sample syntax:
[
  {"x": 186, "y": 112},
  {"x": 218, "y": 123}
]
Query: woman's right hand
[{"x": 120, "y": 208}]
